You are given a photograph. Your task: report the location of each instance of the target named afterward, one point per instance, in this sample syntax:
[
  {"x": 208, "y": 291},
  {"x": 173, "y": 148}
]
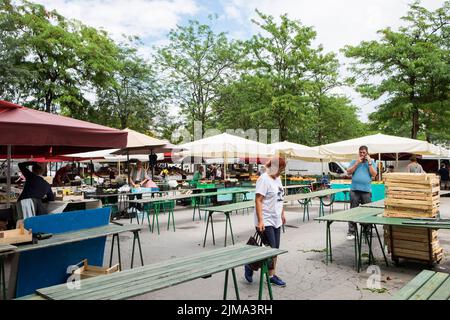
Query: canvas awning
[
  {"x": 379, "y": 144},
  {"x": 139, "y": 143},
  {"x": 225, "y": 146},
  {"x": 296, "y": 151},
  {"x": 36, "y": 133}
]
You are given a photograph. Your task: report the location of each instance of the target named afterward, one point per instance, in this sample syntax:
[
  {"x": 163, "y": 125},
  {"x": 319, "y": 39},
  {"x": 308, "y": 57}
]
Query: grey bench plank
[
  {"x": 168, "y": 279},
  {"x": 430, "y": 286},
  {"x": 7, "y": 248},
  {"x": 81, "y": 235},
  {"x": 150, "y": 269},
  {"x": 161, "y": 268},
  {"x": 443, "y": 292},
  {"x": 231, "y": 207},
  {"x": 129, "y": 283},
  {"x": 314, "y": 194},
  {"x": 415, "y": 284}
]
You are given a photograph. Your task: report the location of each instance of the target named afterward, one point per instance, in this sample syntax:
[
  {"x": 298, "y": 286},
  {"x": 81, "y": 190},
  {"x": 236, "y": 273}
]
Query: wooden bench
[
  {"x": 427, "y": 285},
  {"x": 321, "y": 194},
  {"x": 226, "y": 210},
  {"x": 113, "y": 229},
  {"x": 138, "y": 281}
]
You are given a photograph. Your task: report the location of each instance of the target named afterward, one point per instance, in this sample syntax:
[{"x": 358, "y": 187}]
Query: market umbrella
[
  {"x": 291, "y": 150},
  {"x": 225, "y": 146},
  {"x": 296, "y": 151},
  {"x": 379, "y": 144},
  {"x": 138, "y": 143},
  {"x": 29, "y": 133}
]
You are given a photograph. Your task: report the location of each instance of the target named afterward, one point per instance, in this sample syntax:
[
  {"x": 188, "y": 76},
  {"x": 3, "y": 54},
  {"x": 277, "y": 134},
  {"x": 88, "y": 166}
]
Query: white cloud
[
  {"x": 337, "y": 23},
  {"x": 143, "y": 18}
]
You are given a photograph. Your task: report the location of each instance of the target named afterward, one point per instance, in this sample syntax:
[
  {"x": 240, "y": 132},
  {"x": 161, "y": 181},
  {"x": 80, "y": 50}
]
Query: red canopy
[{"x": 37, "y": 133}]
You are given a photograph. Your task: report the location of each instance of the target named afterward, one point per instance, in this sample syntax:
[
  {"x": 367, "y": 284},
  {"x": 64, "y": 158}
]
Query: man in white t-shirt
[{"x": 269, "y": 212}]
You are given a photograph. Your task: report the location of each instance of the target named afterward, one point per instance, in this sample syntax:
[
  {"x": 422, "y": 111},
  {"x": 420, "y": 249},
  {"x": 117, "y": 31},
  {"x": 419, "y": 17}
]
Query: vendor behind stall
[
  {"x": 35, "y": 185},
  {"x": 139, "y": 176},
  {"x": 62, "y": 175},
  {"x": 35, "y": 188}
]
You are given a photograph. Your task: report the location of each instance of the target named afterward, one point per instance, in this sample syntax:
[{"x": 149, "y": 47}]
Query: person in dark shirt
[
  {"x": 445, "y": 176},
  {"x": 35, "y": 186},
  {"x": 61, "y": 176}
]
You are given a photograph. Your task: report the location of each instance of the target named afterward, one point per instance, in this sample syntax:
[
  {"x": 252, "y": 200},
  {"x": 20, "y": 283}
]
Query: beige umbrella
[
  {"x": 378, "y": 144},
  {"x": 296, "y": 151},
  {"x": 226, "y": 146},
  {"x": 291, "y": 150},
  {"x": 139, "y": 143}
]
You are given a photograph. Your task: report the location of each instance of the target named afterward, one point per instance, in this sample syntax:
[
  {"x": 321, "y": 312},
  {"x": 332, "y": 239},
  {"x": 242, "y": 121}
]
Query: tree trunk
[
  {"x": 319, "y": 133},
  {"x": 415, "y": 122}
]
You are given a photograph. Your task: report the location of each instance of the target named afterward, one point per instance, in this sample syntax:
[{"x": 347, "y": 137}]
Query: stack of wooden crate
[{"x": 410, "y": 195}]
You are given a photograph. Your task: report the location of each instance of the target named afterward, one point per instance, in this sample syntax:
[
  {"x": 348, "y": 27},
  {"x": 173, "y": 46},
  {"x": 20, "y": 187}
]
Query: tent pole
[
  {"x": 380, "y": 167},
  {"x": 396, "y": 161},
  {"x": 321, "y": 162},
  {"x": 285, "y": 174},
  {"x": 8, "y": 176},
  {"x": 92, "y": 172},
  {"x": 152, "y": 165},
  {"x": 128, "y": 166},
  {"x": 225, "y": 168}
]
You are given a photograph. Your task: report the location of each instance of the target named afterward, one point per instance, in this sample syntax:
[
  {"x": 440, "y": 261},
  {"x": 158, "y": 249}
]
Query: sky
[{"x": 337, "y": 22}]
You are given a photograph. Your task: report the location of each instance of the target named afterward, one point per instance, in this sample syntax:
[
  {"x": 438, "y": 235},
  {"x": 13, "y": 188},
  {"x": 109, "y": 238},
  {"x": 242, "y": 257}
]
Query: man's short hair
[
  {"x": 413, "y": 158},
  {"x": 37, "y": 169},
  {"x": 364, "y": 148}
]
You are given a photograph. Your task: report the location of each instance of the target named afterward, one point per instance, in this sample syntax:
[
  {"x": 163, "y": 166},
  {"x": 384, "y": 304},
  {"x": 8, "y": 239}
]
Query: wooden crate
[
  {"x": 15, "y": 236},
  {"x": 413, "y": 243},
  {"x": 87, "y": 271},
  {"x": 411, "y": 195}
]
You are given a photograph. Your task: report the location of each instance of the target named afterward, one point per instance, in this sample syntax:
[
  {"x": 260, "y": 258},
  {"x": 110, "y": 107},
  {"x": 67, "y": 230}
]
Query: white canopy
[
  {"x": 379, "y": 143},
  {"x": 225, "y": 146},
  {"x": 94, "y": 155},
  {"x": 107, "y": 156},
  {"x": 296, "y": 151}
]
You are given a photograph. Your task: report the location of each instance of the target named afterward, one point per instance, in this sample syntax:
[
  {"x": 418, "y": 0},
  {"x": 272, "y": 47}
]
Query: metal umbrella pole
[
  {"x": 8, "y": 176},
  {"x": 128, "y": 167},
  {"x": 379, "y": 167},
  {"x": 92, "y": 172}
]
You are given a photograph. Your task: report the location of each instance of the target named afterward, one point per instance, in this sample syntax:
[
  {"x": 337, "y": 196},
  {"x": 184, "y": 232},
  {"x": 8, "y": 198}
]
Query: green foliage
[
  {"x": 193, "y": 65},
  {"x": 56, "y": 60},
  {"x": 134, "y": 96},
  {"x": 413, "y": 67},
  {"x": 285, "y": 83}
]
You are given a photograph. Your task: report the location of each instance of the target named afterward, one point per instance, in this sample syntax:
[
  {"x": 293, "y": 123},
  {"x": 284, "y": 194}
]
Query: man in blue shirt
[{"x": 362, "y": 170}]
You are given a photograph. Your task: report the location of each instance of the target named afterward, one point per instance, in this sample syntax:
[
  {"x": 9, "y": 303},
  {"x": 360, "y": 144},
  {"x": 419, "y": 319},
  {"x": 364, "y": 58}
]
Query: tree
[
  {"x": 194, "y": 64},
  {"x": 49, "y": 62},
  {"x": 133, "y": 98},
  {"x": 413, "y": 70},
  {"x": 286, "y": 84}
]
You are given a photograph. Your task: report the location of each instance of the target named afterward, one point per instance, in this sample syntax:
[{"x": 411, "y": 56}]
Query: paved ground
[{"x": 303, "y": 267}]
